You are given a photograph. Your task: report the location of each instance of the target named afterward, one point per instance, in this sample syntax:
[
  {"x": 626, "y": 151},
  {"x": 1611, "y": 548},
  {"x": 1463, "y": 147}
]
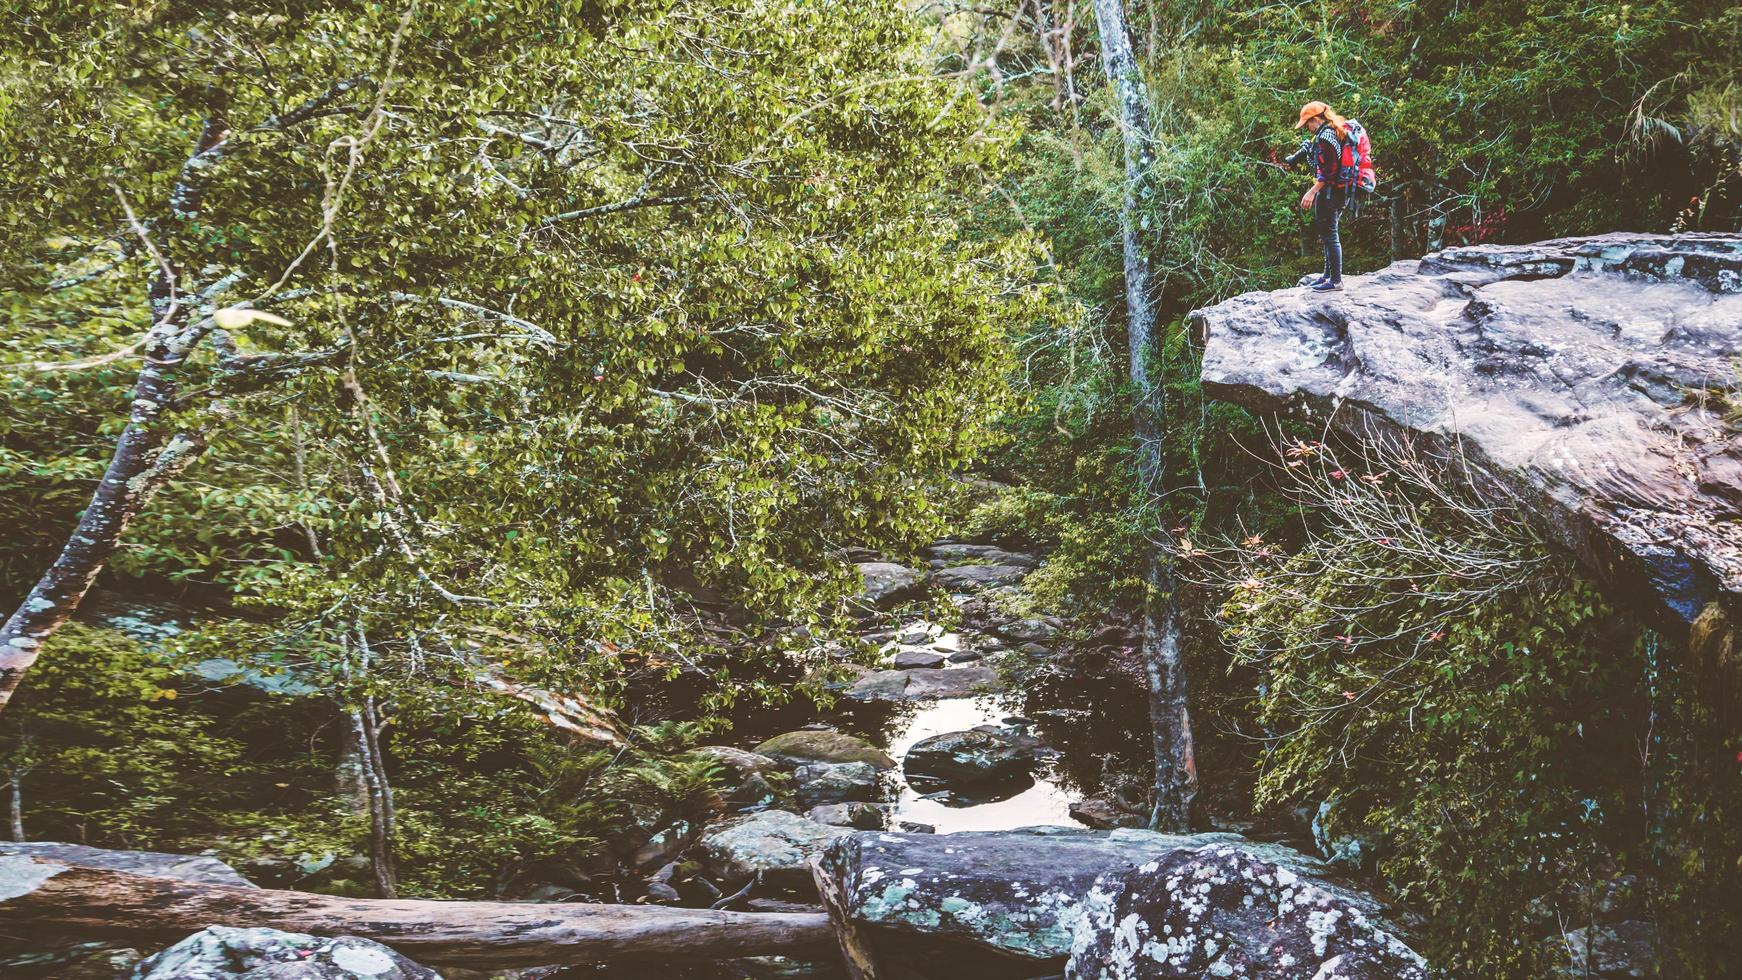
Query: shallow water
[
  {"x": 1046, "y": 801},
  {"x": 1087, "y": 720},
  {"x": 1097, "y": 727}
]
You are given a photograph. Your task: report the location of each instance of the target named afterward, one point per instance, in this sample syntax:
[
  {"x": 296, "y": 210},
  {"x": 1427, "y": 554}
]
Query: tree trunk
[
  {"x": 117, "y": 905},
  {"x": 142, "y": 461},
  {"x": 389, "y": 816},
  {"x": 380, "y": 811},
  {"x": 1170, "y": 722},
  {"x": 349, "y": 782},
  {"x": 15, "y": 808}
]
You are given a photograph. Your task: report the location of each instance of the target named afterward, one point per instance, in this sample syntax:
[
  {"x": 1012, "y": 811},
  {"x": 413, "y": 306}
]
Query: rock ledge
[{"x": 1574, "y": 374}]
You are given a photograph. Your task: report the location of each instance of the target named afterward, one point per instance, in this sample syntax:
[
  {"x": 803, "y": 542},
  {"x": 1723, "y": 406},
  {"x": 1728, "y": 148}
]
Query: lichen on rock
[{"x": 1222, "y": 911}]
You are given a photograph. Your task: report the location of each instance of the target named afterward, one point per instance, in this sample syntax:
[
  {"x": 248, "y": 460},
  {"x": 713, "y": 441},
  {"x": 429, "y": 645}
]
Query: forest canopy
[
  {"x": 516, "y": 386},
  {"x": 548, "y": 318}
]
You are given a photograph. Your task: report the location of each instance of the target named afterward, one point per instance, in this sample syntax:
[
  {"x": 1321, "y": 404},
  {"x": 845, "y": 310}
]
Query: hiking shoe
[
  {"x": 1320, "y": 281},
  {"x": 1328, "y": 286}
]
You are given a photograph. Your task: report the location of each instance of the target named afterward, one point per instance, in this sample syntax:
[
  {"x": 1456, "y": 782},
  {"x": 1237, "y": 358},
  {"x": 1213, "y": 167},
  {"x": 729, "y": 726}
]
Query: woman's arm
[{"x": 1327, "y": 159}]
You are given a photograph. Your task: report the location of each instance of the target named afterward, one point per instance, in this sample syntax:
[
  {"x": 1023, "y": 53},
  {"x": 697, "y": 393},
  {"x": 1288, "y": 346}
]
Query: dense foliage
[
  {"x": 554, "y": 344},
  {"x": 1491, "y": 122},
  {"x": 568, "y": 320},
  {"x": 566, "y": 345},
  {"x": 118, "y": 743},
  {"x": 1443, "y": 687},
  {"x": 1573, "y": 118},
  {"x": 94, "y": 752}
]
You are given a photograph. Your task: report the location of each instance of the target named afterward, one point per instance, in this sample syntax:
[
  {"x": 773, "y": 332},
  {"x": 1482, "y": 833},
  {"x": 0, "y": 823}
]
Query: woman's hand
[{"x": 1306, "y": 200}]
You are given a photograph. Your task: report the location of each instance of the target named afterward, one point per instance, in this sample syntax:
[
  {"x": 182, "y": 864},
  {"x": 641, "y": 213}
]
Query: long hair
[{"x": 1337, "y": 121}]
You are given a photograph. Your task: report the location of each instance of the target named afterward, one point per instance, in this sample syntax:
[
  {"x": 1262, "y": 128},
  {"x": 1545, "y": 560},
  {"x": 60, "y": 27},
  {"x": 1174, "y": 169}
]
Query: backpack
[{"x": 1357, "y": 176}]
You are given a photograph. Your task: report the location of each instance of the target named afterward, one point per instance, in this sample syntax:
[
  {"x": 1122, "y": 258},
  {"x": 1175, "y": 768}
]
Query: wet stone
[
  {"x": 987, "y": 754},
  {"x": 916, "y": 658},
  {"x": 972, "y": 578},
  {"x": 817, "y": 783},
  {"x": 947, "y": 554},
  {"x": 823, "y": 746},
  {"x": 859, "y": 816},
  {"x": 979, "y": 794},
  {"x": 925, "y": 683},
  {"x": 886, "y": 583}
]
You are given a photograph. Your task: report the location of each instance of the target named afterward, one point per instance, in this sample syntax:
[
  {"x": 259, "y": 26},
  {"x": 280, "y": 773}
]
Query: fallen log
[{"x": 76, "y": 900}]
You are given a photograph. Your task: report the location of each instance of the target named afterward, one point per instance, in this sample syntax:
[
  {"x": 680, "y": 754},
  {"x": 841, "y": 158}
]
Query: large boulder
[
  {"x": 821, "y": 745},
  {"x": 1615, "y": 951},
  {"x": 985, "y": 754},
  {"x": 223, "y": 953},
  {"x": 1223, "y": 911},
  {"x": 910, "y": 658},
  {"x": 925, "y": 684},
  {"x": 776, "y": 844},
  {"x": 886, "y": 583},
  {"x": 953, "y": 553},
  {"x": 973, "y": 578},
  {"x": 817, "y": 783},
  {"x": 1574, "y": 375},
  {"x": 1003, "y": 903},
  {"x": 858, "y": 816}
]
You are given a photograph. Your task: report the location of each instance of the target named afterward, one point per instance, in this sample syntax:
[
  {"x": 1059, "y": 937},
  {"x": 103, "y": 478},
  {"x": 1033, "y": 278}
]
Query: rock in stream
[
  {"x": 985, "y": 754},
  {"x": 821, "y": 745}
]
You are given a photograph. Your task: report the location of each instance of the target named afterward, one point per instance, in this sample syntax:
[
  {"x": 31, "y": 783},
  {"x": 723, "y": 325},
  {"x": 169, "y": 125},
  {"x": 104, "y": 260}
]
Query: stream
[
  {"x": 1045, "y": 800},
  {"x": 1095, "y": 723}
]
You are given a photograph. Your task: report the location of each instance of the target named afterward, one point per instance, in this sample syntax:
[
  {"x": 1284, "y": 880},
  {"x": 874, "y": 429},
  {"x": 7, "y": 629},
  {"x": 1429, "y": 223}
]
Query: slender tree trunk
[
  {"x": 15, "y": 809},
  {"x": 389, "y": 815},
  {"x": 348, "y": 779},
  {"x": 143, "y": 457},
  {"x": 380, "y": 811},
  {"x": 1169, "y": 718}
]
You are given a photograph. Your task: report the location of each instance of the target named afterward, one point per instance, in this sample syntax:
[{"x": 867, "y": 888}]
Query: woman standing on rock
[{"x": 1326, "y": 196}]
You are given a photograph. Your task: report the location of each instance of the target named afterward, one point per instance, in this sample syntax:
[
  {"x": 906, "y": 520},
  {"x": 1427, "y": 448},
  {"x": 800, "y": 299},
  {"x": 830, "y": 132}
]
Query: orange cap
[{"x": 1310, "y": 110}]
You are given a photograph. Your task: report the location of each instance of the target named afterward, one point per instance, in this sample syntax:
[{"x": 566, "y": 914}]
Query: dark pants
[{"x": 1327, "y": 215}]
